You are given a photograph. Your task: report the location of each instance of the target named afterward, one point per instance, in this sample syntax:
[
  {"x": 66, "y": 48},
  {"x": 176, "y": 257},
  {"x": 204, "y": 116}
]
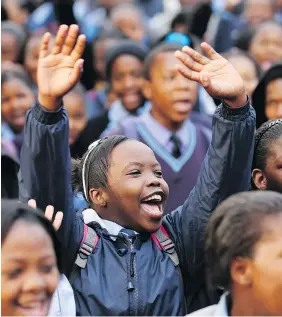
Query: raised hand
[
  {"x": 59, "y": 68},
  {"x": 49, "y": 211},
  {"x": 214, "y": 73}
]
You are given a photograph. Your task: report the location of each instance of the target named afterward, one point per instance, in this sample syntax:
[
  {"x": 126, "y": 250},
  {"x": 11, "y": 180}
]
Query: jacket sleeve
[
  {"x": 45, "y": 166},
  {"x": 226, "y": 170}
]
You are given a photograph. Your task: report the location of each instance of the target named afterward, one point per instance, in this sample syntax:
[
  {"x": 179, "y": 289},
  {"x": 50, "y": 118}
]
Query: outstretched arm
[
  {"x": 45, "y": 159},
  {"x": 227, "y": 165}
]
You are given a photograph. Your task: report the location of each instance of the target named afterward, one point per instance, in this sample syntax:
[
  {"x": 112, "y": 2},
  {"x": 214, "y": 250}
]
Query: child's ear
[
  {"x": 146, "y": 89},
  {"x": 259, "y": 179},
  {"x": 98, "y": 197},
  {"x": 241, "y": 271}
]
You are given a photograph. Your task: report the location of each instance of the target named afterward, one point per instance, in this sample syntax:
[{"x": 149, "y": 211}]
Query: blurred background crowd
[{"x": 120, "y": 34}]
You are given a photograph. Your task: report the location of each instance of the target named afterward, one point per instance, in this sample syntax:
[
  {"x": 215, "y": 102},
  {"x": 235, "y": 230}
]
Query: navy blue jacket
[{"x": 101, "y": 288}]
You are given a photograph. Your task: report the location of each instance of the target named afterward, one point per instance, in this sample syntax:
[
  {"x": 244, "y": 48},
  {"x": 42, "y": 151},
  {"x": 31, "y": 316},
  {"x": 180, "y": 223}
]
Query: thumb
[
  {"x": 75, "y": 74},
  {"x": 205, "y": 80}
]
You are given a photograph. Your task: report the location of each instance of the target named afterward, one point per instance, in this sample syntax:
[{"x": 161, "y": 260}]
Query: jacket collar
[{"x": 90, "y": 215}]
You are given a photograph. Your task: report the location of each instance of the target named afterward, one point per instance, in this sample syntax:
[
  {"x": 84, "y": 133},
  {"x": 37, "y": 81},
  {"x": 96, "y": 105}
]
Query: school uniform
[
  {"x": 102, "y": 288},
  {"x": 180, "y": 154},
  {"x": 96, "y": 126}
]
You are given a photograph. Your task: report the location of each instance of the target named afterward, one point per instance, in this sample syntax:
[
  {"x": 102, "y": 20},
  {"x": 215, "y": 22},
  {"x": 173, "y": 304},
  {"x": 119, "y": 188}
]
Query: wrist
[
  {"x": 49, "y": 103},
  {"x": 237, "y": 102}
]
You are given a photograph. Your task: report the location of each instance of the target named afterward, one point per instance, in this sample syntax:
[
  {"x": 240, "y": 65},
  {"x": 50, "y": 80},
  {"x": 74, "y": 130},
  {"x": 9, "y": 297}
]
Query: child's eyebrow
[{"x": 139, "y": 164}]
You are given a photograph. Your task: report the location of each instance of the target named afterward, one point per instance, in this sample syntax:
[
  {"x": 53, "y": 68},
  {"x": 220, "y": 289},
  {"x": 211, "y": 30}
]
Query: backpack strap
[
  {"x": 162, "y": 240},
  {"x": 87, "y": 246}
]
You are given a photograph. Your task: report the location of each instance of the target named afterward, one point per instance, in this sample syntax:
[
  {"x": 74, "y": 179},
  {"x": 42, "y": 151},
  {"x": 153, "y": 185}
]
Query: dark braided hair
[
  {"x": 233, "y": 230},
  {"x": 96, "y": 165},
  {"x": 269, "y": 132}
]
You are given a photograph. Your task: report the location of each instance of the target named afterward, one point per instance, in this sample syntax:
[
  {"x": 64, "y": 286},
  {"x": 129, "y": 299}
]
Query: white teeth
[{"x": 154, "y": 197}]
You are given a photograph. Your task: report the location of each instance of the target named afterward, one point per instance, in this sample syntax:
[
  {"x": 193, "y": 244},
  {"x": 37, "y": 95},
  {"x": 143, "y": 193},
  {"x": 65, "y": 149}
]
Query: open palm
[
  {"x": 215, "y": 73},
  {"x": 59, "y": 70}
]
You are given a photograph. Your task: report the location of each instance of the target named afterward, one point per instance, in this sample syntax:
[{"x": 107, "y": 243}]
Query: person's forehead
[
  {"x": 132, "y": 151},
  {"x": 269, "y": 31},
  {"x": 275, "y": 87},
  {"x": 271, "y": 228},
  {"x": 15, "y": 84},
  {"x": 165, "y": 61},
  {"x": 250, "y": 4},
  {"x": 126, "y": 60}
]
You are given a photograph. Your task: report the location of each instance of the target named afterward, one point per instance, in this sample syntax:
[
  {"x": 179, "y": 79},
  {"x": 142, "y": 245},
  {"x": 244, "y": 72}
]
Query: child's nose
[
  {"x": 34, "y": 283},
  {"x": 153, "y": 181}
]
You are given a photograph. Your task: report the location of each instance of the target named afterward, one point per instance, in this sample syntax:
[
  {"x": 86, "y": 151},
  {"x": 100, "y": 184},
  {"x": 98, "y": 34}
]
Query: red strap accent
[
  {"x": 85, "y": 230},
  {"x": 85, "y": 234},
  {"x": 156, "y": 240},
  {"x": 164, "y": 231}
]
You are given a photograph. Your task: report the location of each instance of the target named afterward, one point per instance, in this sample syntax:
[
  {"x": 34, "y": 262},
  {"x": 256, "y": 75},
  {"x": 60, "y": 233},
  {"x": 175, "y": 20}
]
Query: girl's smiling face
[
  {"x": 136, "y": 191},
  {"x": 29, "y": 270},
  {"x": 16, "y": 99}
]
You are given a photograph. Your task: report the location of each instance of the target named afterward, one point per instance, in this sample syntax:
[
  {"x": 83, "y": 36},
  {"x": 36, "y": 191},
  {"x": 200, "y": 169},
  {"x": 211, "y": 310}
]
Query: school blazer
[{"x": 102, "y": 287}]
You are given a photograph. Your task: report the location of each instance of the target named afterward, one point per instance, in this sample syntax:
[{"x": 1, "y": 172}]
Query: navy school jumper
[{"x": 101, "y": 288}]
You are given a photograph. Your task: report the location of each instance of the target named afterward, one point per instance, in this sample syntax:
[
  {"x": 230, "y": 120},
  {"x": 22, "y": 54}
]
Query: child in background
[
  {"x": 267, "y": 162},
  {"x": 13, "y": 39},
  {"x": 16, "y": 98},
  {"x": 243, "y": 255},
  {"x": 266, "y": 44},
  {"x": 100, "y": 46},
  {"x": 122, "y": 180},
  {"x": 267, "y": 97},
  {"x": 31, "y": 56},
  {"x": 247, "y": 67},
  {"x": 179, "y": 137},
  {"x": 30, "y": 260},
  {"x": 124, "y": 73},
  {"x": 101, "y": 96},
  {"x": 129, "y": 19}
]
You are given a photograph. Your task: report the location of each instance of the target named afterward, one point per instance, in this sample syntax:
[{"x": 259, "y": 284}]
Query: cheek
[
  {"x": 6, "y": 109},
  {"x": 52, "y": 281},
  {"x": 9, "y": 291},
  {"x": 271, "y": 112},
  {"x": 117, "y": 86},
  {"x": 28, "y": 102},
  {"x": 267, "y": 280}
]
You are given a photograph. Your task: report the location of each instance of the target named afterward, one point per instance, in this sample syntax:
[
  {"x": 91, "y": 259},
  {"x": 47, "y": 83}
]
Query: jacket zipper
[{"x": 132, "y": 281}]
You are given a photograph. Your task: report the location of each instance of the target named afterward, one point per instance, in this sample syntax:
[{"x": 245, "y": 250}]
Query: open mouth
[
  {"x": 183, "y": 105},
  {"x": 38, "y": 308},
  {"x": 18, "y": 117},
  {"x": 153, "y": 204},
  {"x": 131, "y": 97}
]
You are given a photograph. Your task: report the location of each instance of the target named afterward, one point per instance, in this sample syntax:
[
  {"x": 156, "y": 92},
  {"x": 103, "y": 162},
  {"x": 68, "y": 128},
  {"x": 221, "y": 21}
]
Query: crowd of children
[{"x": 125, "y": 119}]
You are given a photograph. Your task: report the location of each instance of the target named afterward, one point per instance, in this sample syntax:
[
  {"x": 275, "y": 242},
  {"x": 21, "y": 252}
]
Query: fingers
[
  {"x": 79, "y": 47},
  {"x": 187, "y": 73},
  {"x": 75, "y": 74},
  {"x": 205, "y": 80},
  {"x": 44, "y": 47},
  {"x": 32, "y": 203},
  {"x": 189, "y": 62},
  {"x": 212, "y": 54},
  {"x": 58, "y": 220},
  {"x": 70, "y": 40},
  {"x": 197, "y": 57},
  {"x": 49, "y": 211},
  {"x": 60, "y": 38}
]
